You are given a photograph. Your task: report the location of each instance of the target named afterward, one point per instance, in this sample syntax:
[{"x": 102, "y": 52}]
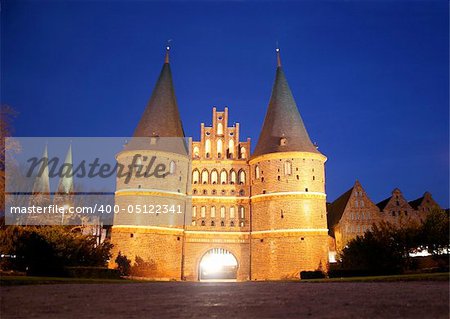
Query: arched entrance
[{"x": 218, "y": 264}]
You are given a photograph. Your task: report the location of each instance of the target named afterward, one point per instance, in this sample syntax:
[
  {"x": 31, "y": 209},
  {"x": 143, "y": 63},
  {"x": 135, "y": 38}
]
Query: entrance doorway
[{"x": 218, "y": 264}]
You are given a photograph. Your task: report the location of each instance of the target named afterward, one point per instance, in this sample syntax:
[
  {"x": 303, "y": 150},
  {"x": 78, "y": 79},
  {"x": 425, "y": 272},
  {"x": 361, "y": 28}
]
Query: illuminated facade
[
  {"x": 353, "y": 213},
  {"x": 263, "y": 215}
]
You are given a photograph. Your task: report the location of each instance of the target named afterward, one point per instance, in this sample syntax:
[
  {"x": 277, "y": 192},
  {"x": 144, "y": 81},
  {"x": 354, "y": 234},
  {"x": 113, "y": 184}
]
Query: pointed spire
[
  {"x": 161, "y": 116},
  {"x": 166, "y": 59},
  {"x": 42, "y": 182},
  {"x": 65, "y": 185},
  {"x": 283, "y": 129},
  {"x": 278, "y": 57}
]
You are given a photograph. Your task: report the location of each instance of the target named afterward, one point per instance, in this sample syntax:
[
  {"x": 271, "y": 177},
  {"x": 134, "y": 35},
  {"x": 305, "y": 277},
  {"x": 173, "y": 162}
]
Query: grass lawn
[
  {"x": 29, "y": 280},
  {"x": 439, "y": 276}
]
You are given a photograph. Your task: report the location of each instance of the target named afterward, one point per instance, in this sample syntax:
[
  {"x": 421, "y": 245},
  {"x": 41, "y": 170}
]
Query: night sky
[{"x": 371, "y": 78}]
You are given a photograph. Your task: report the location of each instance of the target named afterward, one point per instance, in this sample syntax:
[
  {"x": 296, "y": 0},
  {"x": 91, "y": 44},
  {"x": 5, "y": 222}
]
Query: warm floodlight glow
[{"x": 217, "y": 262}]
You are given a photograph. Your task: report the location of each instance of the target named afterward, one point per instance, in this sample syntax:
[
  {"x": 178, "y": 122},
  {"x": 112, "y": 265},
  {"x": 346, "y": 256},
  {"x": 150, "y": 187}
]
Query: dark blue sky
[{"x": 371, "y": 79}]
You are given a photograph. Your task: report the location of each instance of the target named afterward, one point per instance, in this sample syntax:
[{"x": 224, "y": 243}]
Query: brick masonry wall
[
  {"x": 358, "y": 216},
  {"x": 164, "y": 248},
  {"x": 307, "y": 173},
  {"x": 284, "y": 256},
  {"x": 281, "y": 235}
]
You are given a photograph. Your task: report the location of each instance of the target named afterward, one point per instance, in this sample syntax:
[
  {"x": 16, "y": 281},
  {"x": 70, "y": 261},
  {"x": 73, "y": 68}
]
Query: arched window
[
  {"x": 194, "y": 211},
  {"x": 242, "y": 212},
  {"x": 213, "y": 211},
  {"x": 219, "y": 129},
  {"x": 222, "y": 212},
  {"x": 172, "y": 167},
  {"x": 232, "y": 177},
  {"x": 362, "y": 203},
  {"x": 223, "y": 177},
  {"x": 232, "y": 223},
  {"x": 257, "y": 172},
  {"x": 214, "y": 177},
  {"x": 205, "y": 177},
  {"x": 207, "y": 148},
  {"x": 219, "y": 148},
  {"x": 230, "y": 148},
  {"x": 241, "y": 176},
  {"x": 203, "y": 212},
  {"x": 231, "y": 212},
  {"x": 196, "y": 152},
  {"x": 195, "y": 176},
  {"x": 241, "y": 192},
  {"x": 213, "y": 223},
  {"x": 287, "y": 168},
  {"x": 243, "y": 152}
]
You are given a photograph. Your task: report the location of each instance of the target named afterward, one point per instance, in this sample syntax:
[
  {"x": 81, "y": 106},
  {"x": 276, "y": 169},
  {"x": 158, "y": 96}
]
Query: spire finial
[
  {"x": 278, "y": 56},
  {"x": 166, "y": 59}
]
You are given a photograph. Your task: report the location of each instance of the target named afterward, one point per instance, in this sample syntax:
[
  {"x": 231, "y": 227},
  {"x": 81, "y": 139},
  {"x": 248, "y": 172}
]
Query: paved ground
[{"x": 228, "y": 300}]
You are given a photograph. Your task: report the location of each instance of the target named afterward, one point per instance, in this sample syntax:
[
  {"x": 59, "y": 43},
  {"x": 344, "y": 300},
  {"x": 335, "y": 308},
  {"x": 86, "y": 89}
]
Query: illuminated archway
[{"x": 218, "y": 264}]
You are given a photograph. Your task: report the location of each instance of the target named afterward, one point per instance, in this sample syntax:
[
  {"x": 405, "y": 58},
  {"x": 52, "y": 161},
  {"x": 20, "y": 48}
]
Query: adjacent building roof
[
  {"x": 161, "y": 116},
  {"x": 283, "y": 129},
  {"x": 425, "y": 201},
  {"x": 416, "y": 203},
  {"x": 336, "y": 209},
  {"x": 381, "y": 205}
]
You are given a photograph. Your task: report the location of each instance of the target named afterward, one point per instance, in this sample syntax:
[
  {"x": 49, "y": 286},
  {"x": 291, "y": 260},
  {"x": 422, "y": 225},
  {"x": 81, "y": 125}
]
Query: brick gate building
[{"x": 265, "y": 210}]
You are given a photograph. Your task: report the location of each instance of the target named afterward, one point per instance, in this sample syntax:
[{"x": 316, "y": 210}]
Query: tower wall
[
  {"x": 161, "y": 249},
  {"x": 289, "y": 227},
  {"x": 155, "y": 238}
]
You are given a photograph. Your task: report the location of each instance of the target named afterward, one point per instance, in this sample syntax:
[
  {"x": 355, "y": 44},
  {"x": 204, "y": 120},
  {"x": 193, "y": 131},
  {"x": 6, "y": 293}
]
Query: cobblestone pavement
[{"x": 419, "y": 299}]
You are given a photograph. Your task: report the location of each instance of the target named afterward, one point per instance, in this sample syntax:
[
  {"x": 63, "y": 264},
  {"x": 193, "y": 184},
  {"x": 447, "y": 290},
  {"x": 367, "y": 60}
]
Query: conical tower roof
[
  {"x": 283, "y": 129},
  {"x": 161, "y": 116},
  {"x": 65, "y": 185}
]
